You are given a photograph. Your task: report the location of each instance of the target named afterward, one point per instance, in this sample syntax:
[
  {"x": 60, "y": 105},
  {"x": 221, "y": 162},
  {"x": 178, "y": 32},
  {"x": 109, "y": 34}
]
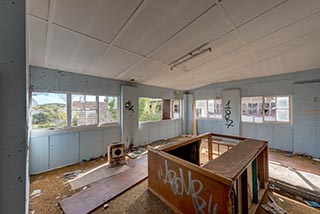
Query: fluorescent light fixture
[{"x": 192, "y": 54}]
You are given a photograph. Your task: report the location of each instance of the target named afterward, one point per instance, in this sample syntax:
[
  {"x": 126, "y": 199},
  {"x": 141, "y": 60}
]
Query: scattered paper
[{"x": 35, "y": 193}]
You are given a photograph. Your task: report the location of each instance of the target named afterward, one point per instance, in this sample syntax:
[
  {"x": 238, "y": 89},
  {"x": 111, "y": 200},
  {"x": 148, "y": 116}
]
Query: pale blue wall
[
  {"x": 14, "y": 183},
  {"x": 279, "y": 136},
  {"x": 55, "y": 148}
]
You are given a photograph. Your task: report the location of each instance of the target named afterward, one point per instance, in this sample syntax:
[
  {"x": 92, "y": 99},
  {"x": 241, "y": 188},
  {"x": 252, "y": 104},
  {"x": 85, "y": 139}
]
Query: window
[
  {"x": 209, "y": 108},
  {"x": 108, "y": 109},
  {"x": 265, "y": 109},
  {"x": 252, "y": 109},
  {"x": 83, "y": 110},
  {"x": 49, "y": 110},
  {"x": 201, "y": 108},
  {"x": 276, "y": 109},
  {"x": 150, "y": 109},
  {"x": 176, "y": 109},
  {"x": 215, "y": 108}
]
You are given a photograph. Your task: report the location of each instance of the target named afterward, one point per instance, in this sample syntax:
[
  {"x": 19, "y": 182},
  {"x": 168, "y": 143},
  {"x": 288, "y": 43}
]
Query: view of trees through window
[
  {"x": 108, "y": 109},
  {"x": 49, "y": 110},
  {"x": 150, "y": 109}
]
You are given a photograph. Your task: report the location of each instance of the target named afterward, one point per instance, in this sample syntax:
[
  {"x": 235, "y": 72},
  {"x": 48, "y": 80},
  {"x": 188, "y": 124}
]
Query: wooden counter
[{"x": 232, "y": 183}]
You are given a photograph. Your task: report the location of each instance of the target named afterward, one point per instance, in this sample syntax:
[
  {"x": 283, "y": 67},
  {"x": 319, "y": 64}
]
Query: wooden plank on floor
[{"x": 102, "y": 191}]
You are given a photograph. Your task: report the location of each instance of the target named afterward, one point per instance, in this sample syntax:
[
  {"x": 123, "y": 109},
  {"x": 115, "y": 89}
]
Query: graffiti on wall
[
  {"x": 181, "y": 186},
  {"x": 227, "y": 115},
  {"x": 129, "y": 106}
]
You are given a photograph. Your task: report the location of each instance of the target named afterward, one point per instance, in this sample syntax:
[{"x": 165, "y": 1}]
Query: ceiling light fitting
[{"x": 196, "y": 52}]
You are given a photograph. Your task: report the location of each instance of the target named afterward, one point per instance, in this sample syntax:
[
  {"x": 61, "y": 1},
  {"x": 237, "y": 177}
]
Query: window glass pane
[
  {"x": 270, "y": 108},
  {"x": 112, "y": 109},
  {"x": 282, "y": 102},
  {"x": 176, "y": 109},
  {"x": 49, "y": 110},
  {"x": 214, "y": 108},
  {"x": 251, "y": 109},
  {"x": 90, "y": 103},
  {"x": 103, "y": 109},
  {"x": 83, "y": 110},
  {"x": 150, "y": 109},
  {"x": 201, "y": 108},
  {"x": 283, "y": 115},
  {"x": 108, "y": 109}
]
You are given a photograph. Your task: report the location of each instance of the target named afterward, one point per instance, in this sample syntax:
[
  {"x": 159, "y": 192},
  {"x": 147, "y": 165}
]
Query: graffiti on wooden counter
[{"x": 191, "y": 187}]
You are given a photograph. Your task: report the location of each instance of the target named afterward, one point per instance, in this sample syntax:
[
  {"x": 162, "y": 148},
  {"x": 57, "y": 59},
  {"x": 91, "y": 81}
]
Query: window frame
[
  {"x": 69, "y": 113},
  {"x": 172, "y": 109},
  {"x": 263, "y": 110},
  {"x": 49, "y": 128},
  {"x": 207, "y": 109},
  {"x": 150, "y": 121},
  {"x": 118, "y": 112}
]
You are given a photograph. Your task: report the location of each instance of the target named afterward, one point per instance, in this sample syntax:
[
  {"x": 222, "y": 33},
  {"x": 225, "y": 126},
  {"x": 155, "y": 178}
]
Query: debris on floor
[
  {"x": 71, "y": 175},
  {"x": 312, "y": 203},
  {"x": 140, "y": 151},
  {"x": 35, "y": 193},
  {"x": 273, "y": 207},
  {"x": 316, "y": 159},
  {"x": 105, "y": 206},
  {"x": 273, "y": 187},
  {"x": 288, "y": 155}
]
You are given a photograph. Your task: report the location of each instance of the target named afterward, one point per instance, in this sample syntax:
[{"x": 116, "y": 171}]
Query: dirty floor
[{"x": 138, "y": 199}]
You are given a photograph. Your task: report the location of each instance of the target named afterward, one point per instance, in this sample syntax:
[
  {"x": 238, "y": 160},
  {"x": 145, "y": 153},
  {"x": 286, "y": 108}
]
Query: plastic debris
[
  {"x": 273, "y": 187},
  {"x": 316, "y": 159},
  {"x": 105, "y": 206},
  {"x": 35, "y": 193},
  {"x": 288, "y": 155},
  {"x": 312, "y": 203},
  {"x": 273, "y": 207},
  {"x": 71, "y": 175}
]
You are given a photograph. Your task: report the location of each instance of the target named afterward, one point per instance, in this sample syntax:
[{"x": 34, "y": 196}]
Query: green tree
[
  {"x": 149, "y": 110},
  {"x": 49, "y": 116},
  {"x": 112, "y": 109}
]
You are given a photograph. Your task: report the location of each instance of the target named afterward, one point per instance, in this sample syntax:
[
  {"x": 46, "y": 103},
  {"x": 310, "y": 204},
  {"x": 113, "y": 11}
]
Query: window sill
[
  {"x": 44, "y": 132},
  {"x": 205, "y": 118},
  {"x": 157, "y": 121}
]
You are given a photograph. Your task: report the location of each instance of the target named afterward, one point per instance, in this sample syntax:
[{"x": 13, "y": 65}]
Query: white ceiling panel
[
  {"x": 205, "y": 29},
  {"x": 288, "y": 46},
  {"x": 39, "y": 8},
  {"x": 37, "y": 40},
  {"x": 191, "y": 82},
  {"x": 269, "y": 67},
  {"x": 292, "y": 32},
  {"x": 303, "y": 58},
  {"x": 101, "y": 19},
  {"x": 113, "y": 62},
  {"x": 244, "y": 10},
  {"x": 142, "y": 70},
  {"x": 176, "y": 79},
  {"x": 156, "y": 21},
  {"x": 165, "y": 77},
  {"x": 219, "y": 48},
  {"x": 223, "y": 61},
  {"x": 68, "y": 50},
  {"x": 287, "y": 13},
  {"x": 222, "y": 73}
]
